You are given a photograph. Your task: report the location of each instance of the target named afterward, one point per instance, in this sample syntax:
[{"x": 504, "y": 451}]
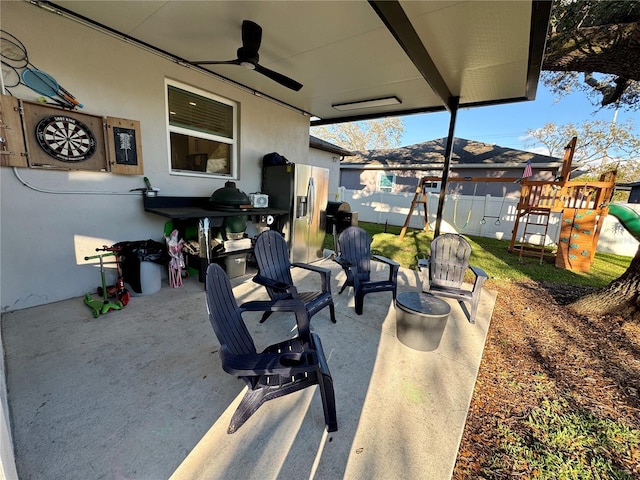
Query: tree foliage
[
  {"x": 601, "y": 145},
  {"x": 593, "y": 46},
  {"x": 365, "y": 135}
]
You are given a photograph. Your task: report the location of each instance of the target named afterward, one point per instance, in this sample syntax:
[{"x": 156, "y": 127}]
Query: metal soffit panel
[{"x": 344, "y": 52}]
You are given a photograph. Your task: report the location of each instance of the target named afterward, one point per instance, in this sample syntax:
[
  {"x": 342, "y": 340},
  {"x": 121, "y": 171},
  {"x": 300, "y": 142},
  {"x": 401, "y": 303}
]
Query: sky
[{"x": 506, "y": 125}]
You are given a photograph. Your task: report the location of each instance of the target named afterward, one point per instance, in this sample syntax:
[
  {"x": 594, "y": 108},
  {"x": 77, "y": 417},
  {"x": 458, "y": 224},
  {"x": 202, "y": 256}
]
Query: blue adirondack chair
[
  {"x": 443, "y": 272},
  {"x": 355, "y": 259},
  {"x": 280, "y": 369},
  {"x": 274, "y": 273}
]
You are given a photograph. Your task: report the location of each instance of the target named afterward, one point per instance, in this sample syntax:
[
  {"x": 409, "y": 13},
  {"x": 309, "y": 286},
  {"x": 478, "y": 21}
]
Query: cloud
[{"x": 542, "y": 150}]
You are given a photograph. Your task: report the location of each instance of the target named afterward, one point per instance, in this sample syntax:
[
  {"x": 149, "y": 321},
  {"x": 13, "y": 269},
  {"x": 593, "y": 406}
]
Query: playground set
[{"x": 581, "y": 206}]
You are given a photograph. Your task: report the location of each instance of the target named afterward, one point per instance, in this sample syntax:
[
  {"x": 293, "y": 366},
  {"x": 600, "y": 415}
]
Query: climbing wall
[{"x": 578, "y": 238}]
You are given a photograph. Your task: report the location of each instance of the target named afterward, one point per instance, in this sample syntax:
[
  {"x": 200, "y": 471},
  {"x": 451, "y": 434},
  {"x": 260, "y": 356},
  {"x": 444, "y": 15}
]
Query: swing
[
  {"x": 484, "y": 216},
  {"x": 432, "y": 226},
  {"x": 455, "y": 208}
]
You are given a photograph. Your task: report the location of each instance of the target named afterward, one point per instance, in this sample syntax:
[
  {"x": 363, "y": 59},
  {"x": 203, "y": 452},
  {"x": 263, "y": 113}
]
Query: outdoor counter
[{"x": 194, "y": 208}]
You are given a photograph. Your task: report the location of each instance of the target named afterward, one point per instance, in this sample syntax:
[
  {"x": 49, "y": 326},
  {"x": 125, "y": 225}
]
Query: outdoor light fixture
[{"x": 376, "y": 102}]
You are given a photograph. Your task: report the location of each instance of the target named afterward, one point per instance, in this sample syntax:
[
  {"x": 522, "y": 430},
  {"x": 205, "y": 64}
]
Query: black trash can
[{"x": 135, "y": 256}]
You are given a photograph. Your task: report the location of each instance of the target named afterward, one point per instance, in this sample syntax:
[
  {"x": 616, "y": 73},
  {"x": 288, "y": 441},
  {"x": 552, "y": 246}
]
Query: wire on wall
[{"x": 69, "y": 192}]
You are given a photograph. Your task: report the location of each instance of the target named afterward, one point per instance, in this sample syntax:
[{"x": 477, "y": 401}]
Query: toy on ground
[
  {"x": 176, "y": 264},
  {"x": 101, "y": 306},
  {"x": 118, "y": 290}
]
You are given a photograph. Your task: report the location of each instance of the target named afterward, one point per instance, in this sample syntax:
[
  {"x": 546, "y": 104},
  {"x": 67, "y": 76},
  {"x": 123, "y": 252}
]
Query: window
[
  {"x": 202, "y": 132},
  {"x": 431, "y": 187},
  {"x": 386, "y": 182}
]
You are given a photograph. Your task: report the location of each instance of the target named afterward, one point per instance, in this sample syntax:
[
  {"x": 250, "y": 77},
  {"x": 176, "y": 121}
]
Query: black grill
[{"x": 338, "y": 214}]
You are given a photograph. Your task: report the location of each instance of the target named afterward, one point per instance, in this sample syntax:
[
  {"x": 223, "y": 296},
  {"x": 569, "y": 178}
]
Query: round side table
[{"x": 420, "y": 320}]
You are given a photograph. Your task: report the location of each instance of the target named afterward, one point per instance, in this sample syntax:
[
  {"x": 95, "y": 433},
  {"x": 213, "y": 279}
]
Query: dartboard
[{"x": 65, "y": 138}]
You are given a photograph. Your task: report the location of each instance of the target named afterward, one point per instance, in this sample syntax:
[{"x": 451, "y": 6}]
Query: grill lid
[{"x": 228, "y": 198}]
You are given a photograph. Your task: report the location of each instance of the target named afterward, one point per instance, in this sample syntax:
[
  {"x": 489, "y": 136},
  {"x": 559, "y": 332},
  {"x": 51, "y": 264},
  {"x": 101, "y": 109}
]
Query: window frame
[
  {"x": 232, "y": 142},
  {"x": 431, "y": 187},
  {"x": 379, "y": 188}
]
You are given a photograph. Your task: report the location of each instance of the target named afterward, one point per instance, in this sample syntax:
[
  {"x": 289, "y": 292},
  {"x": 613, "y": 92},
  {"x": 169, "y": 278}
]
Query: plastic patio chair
[
  {"x": 443, "y": 272},
  {"x": 280, "y": 369},
  {"x": 355, "y": 259},
  {"x": 274, "y": 273}
]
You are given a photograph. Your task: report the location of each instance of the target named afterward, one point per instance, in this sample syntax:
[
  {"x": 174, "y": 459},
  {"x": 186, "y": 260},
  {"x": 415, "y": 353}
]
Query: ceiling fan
[{"x": 248, "y": 56}]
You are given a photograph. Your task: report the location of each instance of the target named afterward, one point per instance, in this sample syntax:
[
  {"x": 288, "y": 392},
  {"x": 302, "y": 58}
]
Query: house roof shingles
[
  {"x": 465, "y": 152},
  {"x": 320, "y": 144}
]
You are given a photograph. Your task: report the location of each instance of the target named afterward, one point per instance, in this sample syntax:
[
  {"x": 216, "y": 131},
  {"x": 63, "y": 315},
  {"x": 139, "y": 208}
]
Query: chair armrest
[
  {"x": 285, "y": 364},
  {"x": 423, "y": 263},
  {"x": 423, "y": 268},
  {"x": 343, "y": 262},
  {"x": 316, "y": 344},
  {"x": 271, "y": 283},
  {"x": 308, "y": 266},
  {"x": 393, "y": 266},
  {"x": 481, "y": 276},
  {"x": 386, "y": 260},
  {"x": 325, "y": 274},
  {"x": 478, "y": 272}
]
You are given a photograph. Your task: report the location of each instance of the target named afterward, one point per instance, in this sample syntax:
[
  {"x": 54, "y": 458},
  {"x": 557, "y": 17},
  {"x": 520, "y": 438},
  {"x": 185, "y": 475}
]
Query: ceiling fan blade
[
  {"x": 209, "y": 62},
  {"x": 248, "y": 56},
  {"x": 278, "y": 77},
  {"x": 251, "y": 37}
]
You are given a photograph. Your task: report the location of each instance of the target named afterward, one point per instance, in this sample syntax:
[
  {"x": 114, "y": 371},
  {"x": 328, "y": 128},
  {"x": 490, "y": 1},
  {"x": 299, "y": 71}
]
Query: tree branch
[
  {"x": 610, "y": 93},
  {"x": 610, "y": 49}
]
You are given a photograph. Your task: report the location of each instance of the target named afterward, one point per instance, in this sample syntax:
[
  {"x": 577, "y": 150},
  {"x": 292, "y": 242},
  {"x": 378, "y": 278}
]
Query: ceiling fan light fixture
[
  {"x": 248, "y": 65},
  {"x": 375, "y": 102}
]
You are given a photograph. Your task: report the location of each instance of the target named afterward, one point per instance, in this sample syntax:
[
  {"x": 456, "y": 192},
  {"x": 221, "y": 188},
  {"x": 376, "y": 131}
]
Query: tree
[
  {"x": 365, "y": 135},
  {"x": 598, "y": 41},
  {"x": 602, "y": 146},
  {"x": 620, "y": 297}
]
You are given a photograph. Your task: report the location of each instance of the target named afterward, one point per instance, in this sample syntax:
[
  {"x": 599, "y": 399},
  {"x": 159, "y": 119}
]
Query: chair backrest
[
  {"x": 272, "y": 256},
  {"x": 355, "y": 247},
  {"x": 225, "y": 315},
  {"x": 449, "y": 260}
]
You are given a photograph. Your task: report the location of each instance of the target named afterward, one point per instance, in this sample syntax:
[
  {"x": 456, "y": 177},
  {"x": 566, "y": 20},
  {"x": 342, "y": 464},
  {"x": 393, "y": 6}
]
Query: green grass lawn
[{"x": 493, "y": 257}]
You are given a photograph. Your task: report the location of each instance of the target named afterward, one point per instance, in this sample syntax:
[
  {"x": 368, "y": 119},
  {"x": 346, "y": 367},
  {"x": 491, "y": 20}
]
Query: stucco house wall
[
  {"x": 328, "y": 155},
  {"x": 49, "y": 226}
]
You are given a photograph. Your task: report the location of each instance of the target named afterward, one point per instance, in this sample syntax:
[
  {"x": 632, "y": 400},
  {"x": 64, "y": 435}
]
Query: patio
[{"x": 140, "y": 394}]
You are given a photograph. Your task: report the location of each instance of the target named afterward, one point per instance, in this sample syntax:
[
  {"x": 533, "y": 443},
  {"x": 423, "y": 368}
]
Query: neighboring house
[
  {"x": 328, "y": 155},
  {"x": 399, "y": 169}
]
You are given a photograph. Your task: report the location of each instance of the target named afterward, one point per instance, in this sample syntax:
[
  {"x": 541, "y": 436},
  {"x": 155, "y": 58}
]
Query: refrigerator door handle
[{"x": 311, "y": 201}]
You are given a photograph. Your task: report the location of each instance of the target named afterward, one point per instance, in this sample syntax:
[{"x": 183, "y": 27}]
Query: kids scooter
[
  {"x": 104, "y": 306},
  {"x": 118, "y": 290}
]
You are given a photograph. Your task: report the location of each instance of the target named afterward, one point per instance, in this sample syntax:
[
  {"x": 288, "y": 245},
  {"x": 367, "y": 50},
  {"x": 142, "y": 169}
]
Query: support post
[{"x": 453, "y": 108}]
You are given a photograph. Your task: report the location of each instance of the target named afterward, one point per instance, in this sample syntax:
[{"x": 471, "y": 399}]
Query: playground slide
[{"x": 628, "y": 217}]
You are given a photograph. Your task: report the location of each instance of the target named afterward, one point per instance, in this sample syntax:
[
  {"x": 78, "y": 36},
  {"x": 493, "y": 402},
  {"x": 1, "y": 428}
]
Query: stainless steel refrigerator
[{"x": 304, "y": 191}]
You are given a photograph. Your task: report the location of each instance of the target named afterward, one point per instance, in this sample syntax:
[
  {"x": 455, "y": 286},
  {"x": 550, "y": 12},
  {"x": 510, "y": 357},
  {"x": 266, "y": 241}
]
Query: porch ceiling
[{"x": 423, "y": 53}]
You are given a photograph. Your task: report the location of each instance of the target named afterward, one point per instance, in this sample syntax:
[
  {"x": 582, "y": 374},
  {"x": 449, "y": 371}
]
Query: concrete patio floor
[{"x": 140, "y": 394}]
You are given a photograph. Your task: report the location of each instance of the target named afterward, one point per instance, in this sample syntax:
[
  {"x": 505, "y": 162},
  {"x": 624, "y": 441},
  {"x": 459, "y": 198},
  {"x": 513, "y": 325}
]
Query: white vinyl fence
[{"x": 492, "y": 217}]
